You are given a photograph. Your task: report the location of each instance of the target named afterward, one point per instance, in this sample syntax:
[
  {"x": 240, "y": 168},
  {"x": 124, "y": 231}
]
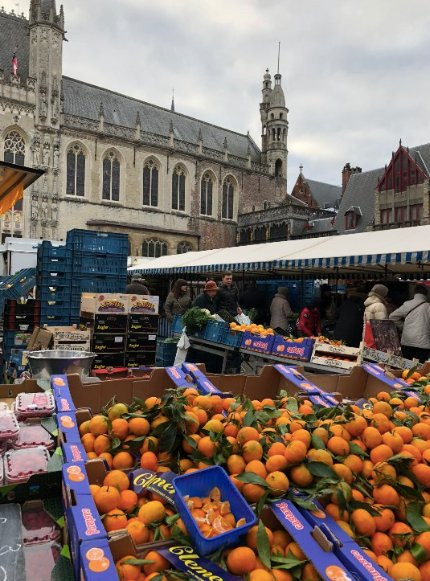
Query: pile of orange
[
  {"x": 373, "y": 465},
  {"x": 252, "y": 328}
]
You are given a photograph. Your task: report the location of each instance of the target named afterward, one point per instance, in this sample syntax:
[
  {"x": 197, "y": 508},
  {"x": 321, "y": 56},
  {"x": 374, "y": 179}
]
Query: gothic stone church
[{"x": 114, "y": 163}]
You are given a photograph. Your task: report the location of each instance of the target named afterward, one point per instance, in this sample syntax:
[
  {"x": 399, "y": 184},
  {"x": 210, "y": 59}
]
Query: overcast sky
[{"x": 355, "y": 72}]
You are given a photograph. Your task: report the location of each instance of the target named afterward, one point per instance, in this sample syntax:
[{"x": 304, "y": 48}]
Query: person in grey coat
[
  {"x": 280, "y": 312},
  {"x": 178, "y": 300},
  {"x": 413, "y": 318}
]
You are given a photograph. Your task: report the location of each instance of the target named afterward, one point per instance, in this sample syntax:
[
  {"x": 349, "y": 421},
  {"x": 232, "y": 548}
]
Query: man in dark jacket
[
  {"x": 227, "y": 299},
  {"x": 136, "y": 287},
  {"x": 206, "y": 300},
  {"x": 349, "y": 326}
]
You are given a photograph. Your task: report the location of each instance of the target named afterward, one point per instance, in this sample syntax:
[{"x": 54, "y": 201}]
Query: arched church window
[
  {"x": 279, "y": 134},
  {"x": 14, "y": 152},
  {"x": 111, "y": 177},
  {"x": 281, "y": 115},
  {"x": 75, "y": 185},
  {"x": 273, "y": 134},
  {"x": 154, "y": 248},
  {"x": 206, "y": 190},
  {"x": 184, "y": 247},
  {"x": 150, "y": 183},
  {"x": 278, "y": 168},
  {"x": 178, "y": 189},
  {"x": 227, "y": 199}
]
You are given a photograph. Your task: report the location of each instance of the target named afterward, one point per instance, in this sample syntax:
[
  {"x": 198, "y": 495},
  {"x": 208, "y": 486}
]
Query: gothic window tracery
[
  {"x": 75, "y": 185},
  {"x": 227, "y": 199},
  {"x": 178, "y": 189},
  {"x": 150, "y": 184},
  {"x": 154, "y": 248},
  {"x": 14, "y": 152},
  {"x": 183, "y": 248},
  {"x": 111, "y": 177},
  {"x": 206, "y": 190}
]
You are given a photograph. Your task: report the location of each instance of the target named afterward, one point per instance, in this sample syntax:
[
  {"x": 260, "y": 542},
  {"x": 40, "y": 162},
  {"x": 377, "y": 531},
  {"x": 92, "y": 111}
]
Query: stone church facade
[{"x": 114, "y": 163}]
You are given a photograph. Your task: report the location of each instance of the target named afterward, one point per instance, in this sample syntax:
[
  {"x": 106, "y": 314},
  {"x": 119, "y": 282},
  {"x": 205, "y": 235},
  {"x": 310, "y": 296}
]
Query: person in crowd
[
  {"x": 327, "y": 308},
  {"x": 227, "y": 298},
  {"x": 413, "y": 319},
  {"x": 376, "y": 303},
  {"x": 309, "y": 321},
  {"x": 280, "y": 312},
  {"x": 137, "y": 286},
  {"x": 206, "y": 299},
  {"x": 255, "y": 299},
  {"x": 178, "y": 300},
  {"x": 349, "y": 325}
]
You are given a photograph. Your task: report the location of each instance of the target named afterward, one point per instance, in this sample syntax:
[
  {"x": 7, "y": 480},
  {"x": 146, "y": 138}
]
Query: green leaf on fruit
[
  {"x": 414, "y": 518},
  {"x": 321, "y": 470},
  {"x": 251, "y": 478},
  {"x": 263, "y": 545}
]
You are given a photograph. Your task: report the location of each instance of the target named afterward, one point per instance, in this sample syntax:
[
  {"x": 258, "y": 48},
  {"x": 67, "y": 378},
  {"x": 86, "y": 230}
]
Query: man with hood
[
  {"x": 280, "y": 312},
  {"x": 413, "y": 318}
]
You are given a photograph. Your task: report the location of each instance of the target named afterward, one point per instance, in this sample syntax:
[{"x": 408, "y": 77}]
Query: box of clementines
[
  {"x": 96, "y": 561},
  {"x": 73, "y": 452}
]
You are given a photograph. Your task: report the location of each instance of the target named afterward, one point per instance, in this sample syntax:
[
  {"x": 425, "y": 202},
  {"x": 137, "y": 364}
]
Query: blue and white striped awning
[{"x": 398, "y": 250}]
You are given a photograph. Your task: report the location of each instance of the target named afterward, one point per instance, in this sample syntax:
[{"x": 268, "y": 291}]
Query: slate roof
[
  {"x": 14, "y": 34},
  {"x": 360, "y": 192},
  {"x": 83, "y": 100},
  {"x": 326, "y": 195}
]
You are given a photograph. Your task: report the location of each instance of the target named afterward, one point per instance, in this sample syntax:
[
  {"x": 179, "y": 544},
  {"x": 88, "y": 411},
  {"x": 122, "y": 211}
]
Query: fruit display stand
[{"x": 338, "y": 356}]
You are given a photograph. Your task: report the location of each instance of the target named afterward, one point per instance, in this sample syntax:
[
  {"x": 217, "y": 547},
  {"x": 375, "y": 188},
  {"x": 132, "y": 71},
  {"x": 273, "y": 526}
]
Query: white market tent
[{"x": 401, "y": 250}]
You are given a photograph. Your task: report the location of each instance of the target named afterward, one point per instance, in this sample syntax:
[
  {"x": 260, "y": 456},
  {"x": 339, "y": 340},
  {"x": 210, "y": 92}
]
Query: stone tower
[
  {"x": 46, "y": 64},
  {"x": 274, "y": 121}
]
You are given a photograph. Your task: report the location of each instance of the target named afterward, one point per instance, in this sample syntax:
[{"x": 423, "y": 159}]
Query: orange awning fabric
[{"x": 14, "y": 179}]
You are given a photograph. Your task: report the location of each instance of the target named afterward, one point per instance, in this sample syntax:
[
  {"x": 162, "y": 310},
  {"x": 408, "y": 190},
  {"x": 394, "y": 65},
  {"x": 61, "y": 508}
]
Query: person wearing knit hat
[
  {"x": 178, "y": 300},
  {"x": 206, "y": 299},
  {"x": 376, "y": 304}
]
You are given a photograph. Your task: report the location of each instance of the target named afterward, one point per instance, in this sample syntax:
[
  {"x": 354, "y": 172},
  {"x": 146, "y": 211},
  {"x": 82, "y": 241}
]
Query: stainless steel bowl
[{"x": 43, "y": 364}]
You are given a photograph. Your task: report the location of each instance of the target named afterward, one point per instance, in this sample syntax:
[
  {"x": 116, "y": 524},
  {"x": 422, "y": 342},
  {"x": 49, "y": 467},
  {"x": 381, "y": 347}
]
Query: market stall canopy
[
  {"x": 14, "y": 179},
  {"x": 396, "y": 250}
]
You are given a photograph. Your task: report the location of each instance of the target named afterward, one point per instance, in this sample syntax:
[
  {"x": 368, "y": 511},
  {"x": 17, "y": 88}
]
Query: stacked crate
[
  {"x": 19, "y": 321},
  {"x": 71, "y": 339},
  {"x": 99, "y": 265},
  {"x": 89, "y": 262},
  {"x": 54, "y": 279},
  {"x": 141, "y": 340},
  {"x": 109, "y": 340}
]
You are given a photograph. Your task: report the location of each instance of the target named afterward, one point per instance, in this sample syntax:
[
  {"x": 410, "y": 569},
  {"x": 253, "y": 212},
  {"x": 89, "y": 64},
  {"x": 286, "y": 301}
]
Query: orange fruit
[
  {"x": 424, "y": 540},
  {"x": 276, "y": 449},
  {"x": 247, "y": 434},
  {"x": 84, "y": 428},
  {"x": 241, "y": 561},
  {"x": 252, "y": 492},
  {"x": 235, "y": 464},
  {"x": 344, "y": 472},
  {"x": 251, "y": 537},
  {"x": 386, "y": 495},
  {"x": 120, "y": 428},
  {"x": 150, "y": 444},
  {"x": 88, "y": 442},
  {"x": 118, "y": 479},
  {"x": 354, "y": 463},
  {"x": 363, "y": 522},
  {"x": 405, "y": 572},
  {"x": 371, "y": 437},
  {"x": 123, "y": 460},
  {"x": 106, "y": 498},
  {"x": 278, "y": 483},
  {"x": 101, "y": 444},
  {"x": 275, "y": 463},
  {"x": 108, "y": 458},
  {"x": 295, "y": 452},
  {"x": 158, "y": 563},
  {"x": 149, "y": 461},
  {"x": 422, "y": 474},
  {"x": 401, "y": 534},
  {"x": 93, "y": 489},
  {"x": 187, "y": 448},
  {"x": 115, "y": 520},
  {"x": 281, "y": 538},
  {"x": 385, "y": 520},
  {"x": 139, "y": 426},
  {"x": 381, "y": 543},
  {"x": 257, "y": 467},
  {"x": 310, "y": 573},
  {"x": 280, "y": 575},
  {"x": 127, "y": 572},
  {"x": 407, "y": 557},
  {"x": 252, "y": 450},
  {"x": 393, "y": 440},
  {"x": 338, "y": 446},
  {"x": 207, "y": 447},
  {"x": 138, "y": 532},
  {"x": 301, "y": 476},
  {"x": 98, "y": 425},
  {"x": 380, "y": 453},
  {"x": 260, "y": 575},
  {"x": 295, "y": 549},
  {"x": 128, "y": 500},
  {"x": 151, "y": 512},
  {"x": 302, "y": 436},
  {"x": 404, "y": 432},
  {"x": 383, "y": 407}
]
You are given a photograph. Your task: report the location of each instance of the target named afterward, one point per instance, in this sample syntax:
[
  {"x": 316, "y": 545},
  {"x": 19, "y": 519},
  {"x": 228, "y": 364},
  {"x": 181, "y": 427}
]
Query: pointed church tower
[
  {"x": 274, "y": 121},
  {"x": 46, "y": 59}
]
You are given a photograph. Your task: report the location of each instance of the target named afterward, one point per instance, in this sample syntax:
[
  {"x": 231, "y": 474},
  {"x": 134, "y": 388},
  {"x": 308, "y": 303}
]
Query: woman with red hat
[{"x": 206, "y": 300}]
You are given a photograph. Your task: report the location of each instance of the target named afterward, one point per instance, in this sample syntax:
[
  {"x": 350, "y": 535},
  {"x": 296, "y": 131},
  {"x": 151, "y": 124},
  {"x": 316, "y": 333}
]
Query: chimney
[{"x": 347, "y": 173}]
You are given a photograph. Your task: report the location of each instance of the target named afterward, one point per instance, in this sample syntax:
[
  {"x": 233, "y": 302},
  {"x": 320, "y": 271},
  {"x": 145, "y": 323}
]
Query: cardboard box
[
  {"x": 301, "y": 350},
  {"x": 363, "y": 382},
  {"x": 144, "y": 305},
  {"x": 40, "y": 339},
  {"x": 112, "y": 303},
  {"x": 88, "y": 303},
  {"x": 73, "y": 452},
  {"x": 96, "y": 561},
  {"x": 257, "y": 343},
  {"x": 69, "y": 334},
  {"x": 75, "y": 480},
  {"x": 337, "y": 363},
  {"x": 68, "y": 428}
]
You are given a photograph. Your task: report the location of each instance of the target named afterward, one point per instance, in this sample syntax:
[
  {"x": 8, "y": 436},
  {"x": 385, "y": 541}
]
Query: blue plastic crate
[
  {"x": 55, "y": 320},
  {"x": 46, "y": 293},
  {"x": 53, "y": 279},
  {"x": 165, "y": 353},
  {"x": 200, "y": 484},
  {"x": 214, "y": 331},
  {"x": 15, "y": 339},
  {"x": 93, "y": 264},
  {"x": 47, "y": 250},
  {"x": 232, "y": 338},
  {"x": 98, "y": 284},
  {"x": 98, "y": 242},
  {"x": 53, "y": 258},
  {"x": 177, "y": 325}
]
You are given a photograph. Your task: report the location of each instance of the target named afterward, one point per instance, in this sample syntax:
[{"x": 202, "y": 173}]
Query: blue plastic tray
[
  {"x": 199, "y": 484},
  {"x": 99, "y": 242}
]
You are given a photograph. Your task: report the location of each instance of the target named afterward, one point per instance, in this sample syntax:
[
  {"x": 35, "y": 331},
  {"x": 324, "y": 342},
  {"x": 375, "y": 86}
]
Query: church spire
[{"x": 172, "y": 106}]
